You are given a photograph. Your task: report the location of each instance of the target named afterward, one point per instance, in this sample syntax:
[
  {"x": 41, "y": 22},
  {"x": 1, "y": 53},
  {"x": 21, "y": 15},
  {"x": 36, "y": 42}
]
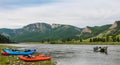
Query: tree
[
  {"x": 103, "y": 39},
  {"x": 118, "y": 40},
  {"x": 48, "y": 40},
  {"x": 68, "y": 39},
  {"x": 81, "y": 40},
  {"x": 4, "y": 39},
  {"x": 91, "y": 40},
  {"x": 107, "y": 38}
]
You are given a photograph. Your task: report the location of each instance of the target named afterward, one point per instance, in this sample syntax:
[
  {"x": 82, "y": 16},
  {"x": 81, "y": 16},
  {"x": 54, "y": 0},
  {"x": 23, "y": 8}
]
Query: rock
[
  {"x": 114, "y": 25},
  {"x": 55, "y": 25},
  {"x": 86, "y": 30}
]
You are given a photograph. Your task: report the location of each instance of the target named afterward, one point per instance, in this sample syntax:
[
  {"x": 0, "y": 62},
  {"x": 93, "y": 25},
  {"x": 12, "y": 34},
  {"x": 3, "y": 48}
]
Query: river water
[{"x": 77, "y": 54}]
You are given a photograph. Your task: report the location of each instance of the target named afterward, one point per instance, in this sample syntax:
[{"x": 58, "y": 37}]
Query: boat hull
[
  {"x": 36, "y": 58},
  {"x": 11, "y": 52}
]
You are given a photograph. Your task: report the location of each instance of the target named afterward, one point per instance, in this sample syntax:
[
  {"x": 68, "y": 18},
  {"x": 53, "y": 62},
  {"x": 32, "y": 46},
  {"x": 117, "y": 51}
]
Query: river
[{"x": 77, "y": 54}]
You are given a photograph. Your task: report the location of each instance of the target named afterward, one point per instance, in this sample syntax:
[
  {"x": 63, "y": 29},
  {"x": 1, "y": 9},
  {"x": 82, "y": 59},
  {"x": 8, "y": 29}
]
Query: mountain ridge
[{"x": 37, "y": 32}]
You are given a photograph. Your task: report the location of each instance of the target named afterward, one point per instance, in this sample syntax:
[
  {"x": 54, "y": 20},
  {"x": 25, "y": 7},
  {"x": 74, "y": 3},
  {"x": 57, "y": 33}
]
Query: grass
[
  {"x": 14, "y": 60},
  {"x": 77, "y": 42},
  {"x": 100, "y": 43},
  {"x": 84, "y": 43}
]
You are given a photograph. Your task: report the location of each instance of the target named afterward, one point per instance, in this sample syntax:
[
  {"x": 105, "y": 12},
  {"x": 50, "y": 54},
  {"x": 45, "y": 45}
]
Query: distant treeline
[
  {"x": 106, "y": 39},
  {"x": 4, "y": 39},
  {"x": 77, "y": 41}
]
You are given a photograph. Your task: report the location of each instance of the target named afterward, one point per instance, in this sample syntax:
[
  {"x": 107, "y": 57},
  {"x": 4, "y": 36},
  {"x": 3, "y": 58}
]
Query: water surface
[{"x": 77, "y": 54}]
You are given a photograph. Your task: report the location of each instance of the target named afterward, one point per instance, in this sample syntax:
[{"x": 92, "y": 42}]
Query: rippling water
[{"x": 77, "y": 54}]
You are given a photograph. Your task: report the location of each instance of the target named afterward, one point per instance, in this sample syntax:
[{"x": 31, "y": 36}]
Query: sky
[{"x": 80, "y": 13}]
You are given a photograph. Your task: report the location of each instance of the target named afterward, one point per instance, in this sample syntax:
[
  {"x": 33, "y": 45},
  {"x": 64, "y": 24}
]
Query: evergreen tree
[
  {"x": 68, "y": 39},
  {"x": 80, "y": 40},
  {"x": 107, "y": 38},
  {"x": 118, "y": 40},
  {"x": 4, "y": 39},
  {"x": 91, "y": 40},
  {"x": 103, "y": 40}
]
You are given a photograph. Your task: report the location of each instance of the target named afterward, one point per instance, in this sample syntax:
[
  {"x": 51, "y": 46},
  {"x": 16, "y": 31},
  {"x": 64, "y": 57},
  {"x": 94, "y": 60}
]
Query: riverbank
[
  {"x": 75, "y": 42},
  {"x": 14, "y": 60}
]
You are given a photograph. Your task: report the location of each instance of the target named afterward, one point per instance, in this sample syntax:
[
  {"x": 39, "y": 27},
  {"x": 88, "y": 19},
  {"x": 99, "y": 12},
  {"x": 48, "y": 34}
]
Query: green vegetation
[
  {"x": 42, "y": 32},
  {"x": 105, "y": 39},
  {"x": 4, "y": 39},
  {"x": 79, "y": 42},
  {"x": 95, "y": 31},
  {"x": 14, "y": 60}
]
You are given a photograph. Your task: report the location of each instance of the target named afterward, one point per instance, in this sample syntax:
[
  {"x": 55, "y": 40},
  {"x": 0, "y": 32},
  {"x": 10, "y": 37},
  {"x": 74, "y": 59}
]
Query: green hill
[
  {"x": 37, "y": 32},
  {"x": 89, "y": 32}
]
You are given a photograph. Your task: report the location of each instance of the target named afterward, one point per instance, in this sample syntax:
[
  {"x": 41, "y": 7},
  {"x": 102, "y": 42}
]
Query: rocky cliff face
[
  {"x": 55, "y": 25},
  {"x": 113, "y": 30},
  {"x": 37, "y": 27},
  {"x": 86, "y": 30},
  {"x": 114, "y": 25}
]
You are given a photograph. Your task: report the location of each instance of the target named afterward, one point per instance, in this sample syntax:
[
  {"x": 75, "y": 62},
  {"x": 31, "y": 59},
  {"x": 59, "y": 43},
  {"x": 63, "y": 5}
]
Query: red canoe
[{"x": 40, "y": 57}]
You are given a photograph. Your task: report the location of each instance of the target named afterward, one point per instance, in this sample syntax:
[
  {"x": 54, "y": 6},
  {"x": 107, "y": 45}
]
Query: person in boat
[
  {"x": 100, "y": 49},
  {"x": 96, "y": 48}
]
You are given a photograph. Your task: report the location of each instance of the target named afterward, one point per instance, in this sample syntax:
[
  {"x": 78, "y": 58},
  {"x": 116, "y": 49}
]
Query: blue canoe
[{"x": 18, "y": 52}]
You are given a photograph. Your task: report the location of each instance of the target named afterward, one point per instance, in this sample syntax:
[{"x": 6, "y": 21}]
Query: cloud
[
  {"x": 79, "y": 13},
  {"x": 23, "y": 3}
]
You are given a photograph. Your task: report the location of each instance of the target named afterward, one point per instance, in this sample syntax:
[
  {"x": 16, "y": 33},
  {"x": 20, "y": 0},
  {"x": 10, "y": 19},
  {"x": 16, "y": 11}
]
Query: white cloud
[{"x": 79, "y": 13}]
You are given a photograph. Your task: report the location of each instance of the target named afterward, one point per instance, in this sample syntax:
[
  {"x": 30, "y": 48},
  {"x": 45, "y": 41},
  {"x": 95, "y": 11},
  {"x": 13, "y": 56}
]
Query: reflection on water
[{"x": 78, "y": 54}]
